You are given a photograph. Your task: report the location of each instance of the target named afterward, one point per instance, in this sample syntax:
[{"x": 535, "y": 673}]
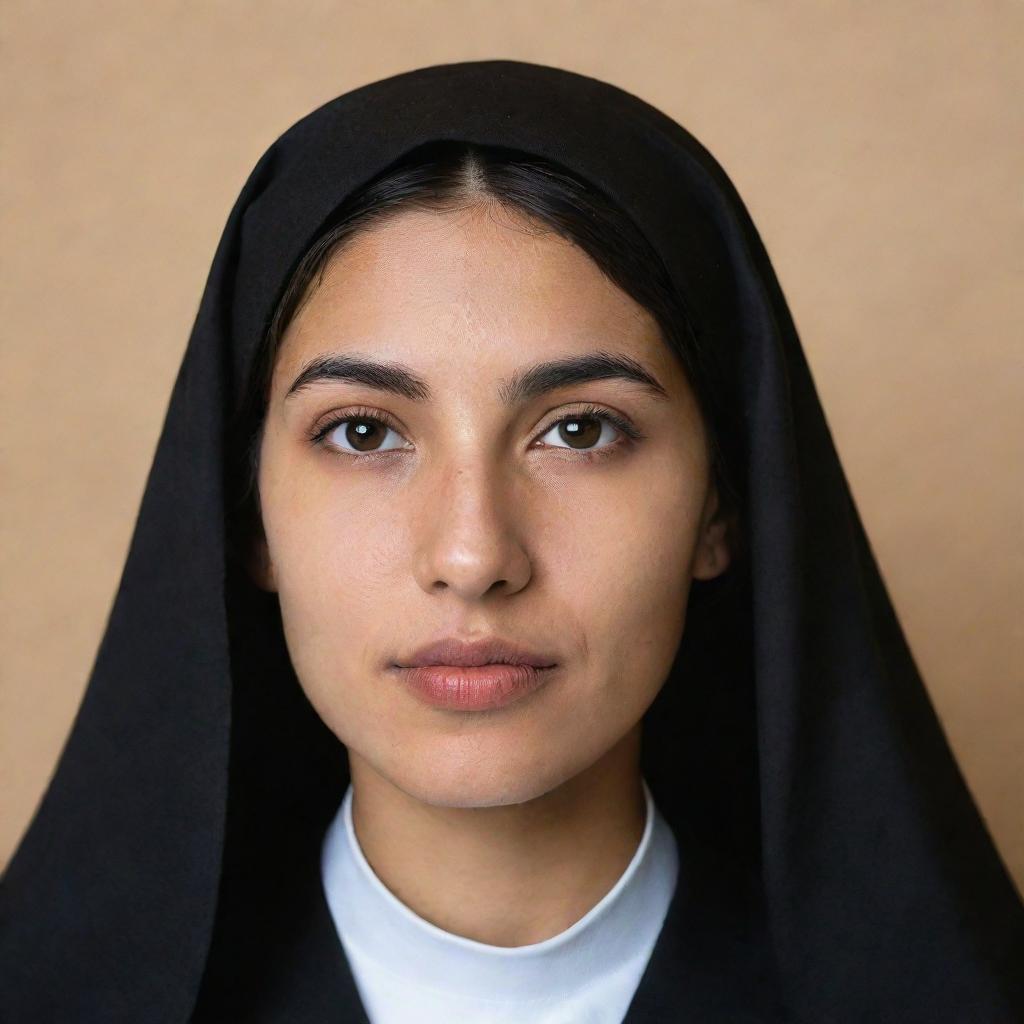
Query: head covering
[{"x": 793, "y": 749}]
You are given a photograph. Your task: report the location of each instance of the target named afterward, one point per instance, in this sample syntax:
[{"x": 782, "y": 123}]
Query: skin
[{"x": 479, "y": 519}]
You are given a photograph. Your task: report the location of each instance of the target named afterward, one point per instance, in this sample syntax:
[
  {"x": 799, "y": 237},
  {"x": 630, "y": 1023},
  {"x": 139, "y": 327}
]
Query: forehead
[{"x": 482, "y": 276}]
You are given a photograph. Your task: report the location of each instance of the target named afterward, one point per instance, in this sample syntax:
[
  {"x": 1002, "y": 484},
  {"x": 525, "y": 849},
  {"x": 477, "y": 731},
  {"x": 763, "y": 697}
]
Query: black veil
[{"x": 794, "y": 749}]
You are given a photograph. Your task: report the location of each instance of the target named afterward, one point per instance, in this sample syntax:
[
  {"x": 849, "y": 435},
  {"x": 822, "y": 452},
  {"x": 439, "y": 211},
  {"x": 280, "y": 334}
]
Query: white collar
[{"x": 624, "y": 923}]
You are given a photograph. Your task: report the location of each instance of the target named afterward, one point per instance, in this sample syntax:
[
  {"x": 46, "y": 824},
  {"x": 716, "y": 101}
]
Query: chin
[{"x": 456, "y": 783}]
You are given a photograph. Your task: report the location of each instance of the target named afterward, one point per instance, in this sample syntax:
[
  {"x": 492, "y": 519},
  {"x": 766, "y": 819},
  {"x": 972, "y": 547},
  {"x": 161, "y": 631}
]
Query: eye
[
  {"x": 358, "y": 433},
  {"x": 585, "y": 428}
]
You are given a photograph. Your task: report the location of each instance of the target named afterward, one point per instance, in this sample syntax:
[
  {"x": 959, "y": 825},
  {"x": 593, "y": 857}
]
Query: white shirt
[{"x": 408, "y": 970}]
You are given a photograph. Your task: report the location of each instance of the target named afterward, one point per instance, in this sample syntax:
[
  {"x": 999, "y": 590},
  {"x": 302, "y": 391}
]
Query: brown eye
[
  {"x": 582, "y": 432},
  {"x": 365, "y": 434},
  {"x": 361, "y": 435}
]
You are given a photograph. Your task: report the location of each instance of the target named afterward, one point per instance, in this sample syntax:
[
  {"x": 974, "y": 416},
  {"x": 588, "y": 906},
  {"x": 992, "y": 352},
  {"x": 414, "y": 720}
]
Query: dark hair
[{"x": 451, "y": 175}]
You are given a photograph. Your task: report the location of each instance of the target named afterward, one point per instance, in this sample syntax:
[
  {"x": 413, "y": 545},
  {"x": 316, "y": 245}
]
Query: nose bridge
[{"x": 469, "y": 534}]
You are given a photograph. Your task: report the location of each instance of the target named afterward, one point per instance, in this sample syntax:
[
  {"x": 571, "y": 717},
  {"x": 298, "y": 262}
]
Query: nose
[{"x": 468, "y": 540}]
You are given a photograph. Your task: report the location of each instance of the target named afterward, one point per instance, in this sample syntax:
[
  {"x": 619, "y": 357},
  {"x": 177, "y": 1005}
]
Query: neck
[{"x": 508, "y": 875}]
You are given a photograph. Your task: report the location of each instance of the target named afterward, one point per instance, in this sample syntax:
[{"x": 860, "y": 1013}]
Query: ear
[
  {"x": 711, "y": 557},
  {"x": 259, "y": 565}
]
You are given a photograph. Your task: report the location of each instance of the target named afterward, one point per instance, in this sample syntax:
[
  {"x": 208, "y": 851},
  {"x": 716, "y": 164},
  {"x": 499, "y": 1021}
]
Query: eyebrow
[{"x": 523, "y": 386}]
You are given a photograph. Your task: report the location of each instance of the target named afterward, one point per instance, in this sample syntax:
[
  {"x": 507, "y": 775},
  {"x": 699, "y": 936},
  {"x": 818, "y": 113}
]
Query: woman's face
[{"x": 469, "y": 507}]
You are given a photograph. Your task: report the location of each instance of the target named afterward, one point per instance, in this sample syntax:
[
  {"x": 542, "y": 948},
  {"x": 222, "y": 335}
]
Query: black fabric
[{"x": 833, "y": 864}]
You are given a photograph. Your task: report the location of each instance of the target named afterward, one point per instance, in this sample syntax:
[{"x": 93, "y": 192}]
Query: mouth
[{"x": 477, "y": 675}]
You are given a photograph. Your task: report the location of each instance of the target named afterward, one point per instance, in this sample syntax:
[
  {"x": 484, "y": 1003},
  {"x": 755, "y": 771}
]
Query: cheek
[
  {"x": 625, "y": 572},
  {"x": 329, "y": 538},
  {"x": 334, "y": 566}
]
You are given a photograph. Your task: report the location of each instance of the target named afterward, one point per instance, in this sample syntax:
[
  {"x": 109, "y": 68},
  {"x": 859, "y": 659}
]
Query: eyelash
[{"x": 628, "y": 431}]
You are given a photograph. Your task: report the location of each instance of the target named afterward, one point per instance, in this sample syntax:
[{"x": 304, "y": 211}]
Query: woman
[{"x": 499, "y": 638}]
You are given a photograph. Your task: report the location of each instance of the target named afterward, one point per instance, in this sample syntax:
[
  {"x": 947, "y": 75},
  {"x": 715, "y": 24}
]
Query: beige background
[{"x": 878, "y": 146}]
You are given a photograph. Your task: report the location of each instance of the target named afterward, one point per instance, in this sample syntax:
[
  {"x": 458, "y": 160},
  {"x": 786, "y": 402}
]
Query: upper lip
[{"x": 487, "y": 651}]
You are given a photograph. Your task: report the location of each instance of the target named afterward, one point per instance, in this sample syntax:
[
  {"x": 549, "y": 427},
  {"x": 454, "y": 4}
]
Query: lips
[
  {"x": 479, "y": 675},
  {"x": 450, "y": 651},
  {"x": 480, "y": 688}
]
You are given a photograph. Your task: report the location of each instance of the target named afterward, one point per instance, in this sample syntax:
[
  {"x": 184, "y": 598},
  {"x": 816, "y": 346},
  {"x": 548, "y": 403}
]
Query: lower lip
[{"x": 476, "y": 688}]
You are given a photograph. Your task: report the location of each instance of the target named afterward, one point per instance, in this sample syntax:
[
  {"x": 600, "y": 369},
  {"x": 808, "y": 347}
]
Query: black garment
[{"x": 834, "y": 864}]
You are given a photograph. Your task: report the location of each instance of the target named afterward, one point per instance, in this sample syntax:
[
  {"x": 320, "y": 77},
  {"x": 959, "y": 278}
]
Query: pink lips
[{"x": 477, "y": 676}]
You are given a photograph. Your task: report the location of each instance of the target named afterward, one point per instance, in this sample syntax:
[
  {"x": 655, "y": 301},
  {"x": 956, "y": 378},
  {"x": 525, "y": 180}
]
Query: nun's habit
[{"x": 833, "y": 865}]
